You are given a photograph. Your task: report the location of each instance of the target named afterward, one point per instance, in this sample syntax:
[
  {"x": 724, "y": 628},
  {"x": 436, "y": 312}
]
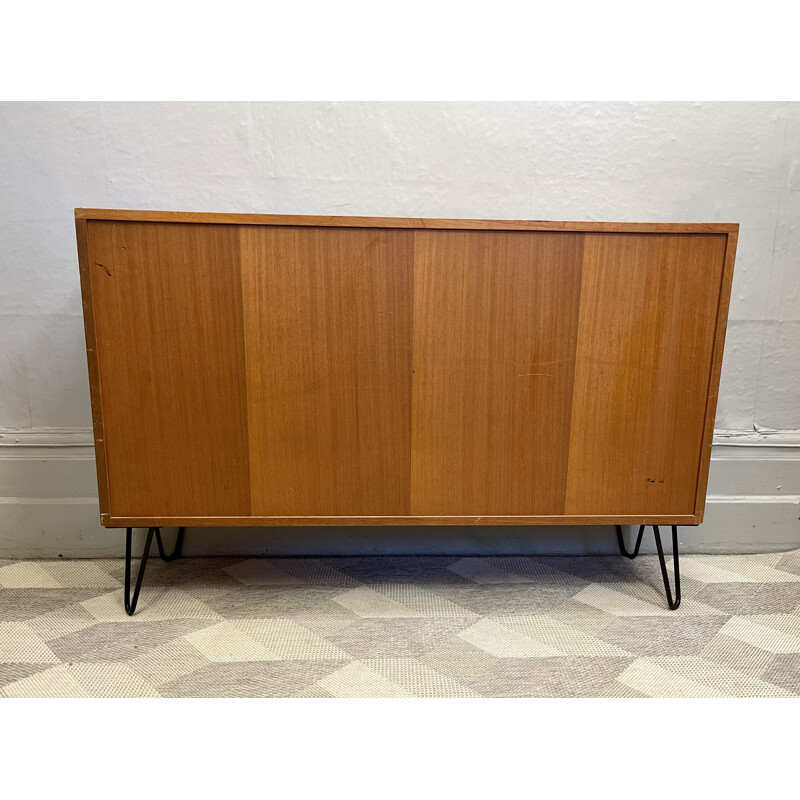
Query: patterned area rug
[{"x": 403, "y": 627}]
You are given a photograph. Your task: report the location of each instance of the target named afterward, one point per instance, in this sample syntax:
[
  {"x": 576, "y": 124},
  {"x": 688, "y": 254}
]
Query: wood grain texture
[
  {"x": 648, "y": 315},
  {"x": 403, "y": 222},
  {"x": 285, "y": 370},
  {"x": 168, "y": 324},
  {"x": 635, "y": 519},
  {"x": 495, "y": 321},
  {"x": 94, "y": 368},
  {"x": 328, "y": 345},
  {"x": 726, "y": 285}
]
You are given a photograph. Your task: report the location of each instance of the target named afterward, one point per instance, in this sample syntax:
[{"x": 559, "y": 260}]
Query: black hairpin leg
[
  {"x": 672, "y": 603},
  {"x": 130, "y": 604}
]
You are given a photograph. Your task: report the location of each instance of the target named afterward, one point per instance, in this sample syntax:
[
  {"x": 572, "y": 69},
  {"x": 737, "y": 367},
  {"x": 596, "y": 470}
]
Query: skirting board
[{"x": 48, "y": 509}]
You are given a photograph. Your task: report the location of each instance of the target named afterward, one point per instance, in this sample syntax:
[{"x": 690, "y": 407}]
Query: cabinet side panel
[
  {"x": 328, "y": 341},
  {"x": 495, "y": 323},
  {"x": 168, "y": 323},
  {"x": 646, "y": 334},
  {"x": 716, "y": 369},
  {"x": 94, "y": 372}
]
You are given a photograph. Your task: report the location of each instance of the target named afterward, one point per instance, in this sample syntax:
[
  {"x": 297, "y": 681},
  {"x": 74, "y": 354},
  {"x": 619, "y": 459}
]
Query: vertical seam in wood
[
  {"x": 574, "y": 373},
  {"x": 240, "y": 230},
  {"x": 411, "y": 383}
]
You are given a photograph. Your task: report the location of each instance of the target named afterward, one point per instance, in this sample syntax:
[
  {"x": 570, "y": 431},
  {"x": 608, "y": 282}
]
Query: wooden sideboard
[{"x": 293, "y": 370}]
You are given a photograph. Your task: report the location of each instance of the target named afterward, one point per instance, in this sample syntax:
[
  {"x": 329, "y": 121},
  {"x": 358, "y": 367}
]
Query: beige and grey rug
[{"x": 403, "y": 627}]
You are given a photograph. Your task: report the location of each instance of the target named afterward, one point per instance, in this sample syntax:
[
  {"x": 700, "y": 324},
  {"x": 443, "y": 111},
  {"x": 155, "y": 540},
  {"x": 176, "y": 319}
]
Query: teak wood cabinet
[{"x": 288, "y": 370}]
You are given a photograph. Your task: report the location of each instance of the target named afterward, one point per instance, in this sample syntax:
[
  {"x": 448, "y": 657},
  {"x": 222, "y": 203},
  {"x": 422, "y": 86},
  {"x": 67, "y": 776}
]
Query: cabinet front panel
[
  {"x": 288, "y": 373},
  {"x": 167, "y": 304},
  {"x": 648, "y": 315},
  {"x": 495, "y": 326},
  {"x": 327, "y": 321}
]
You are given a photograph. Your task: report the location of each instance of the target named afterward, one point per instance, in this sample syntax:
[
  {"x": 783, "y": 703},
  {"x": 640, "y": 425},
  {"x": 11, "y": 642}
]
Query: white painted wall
[{"x": 670, "y": 162}]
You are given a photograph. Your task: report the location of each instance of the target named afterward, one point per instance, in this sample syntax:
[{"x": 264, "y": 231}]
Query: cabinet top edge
[{"x": 415, "y": 223}]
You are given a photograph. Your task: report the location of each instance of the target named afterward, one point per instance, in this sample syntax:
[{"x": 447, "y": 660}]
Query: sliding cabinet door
[
  {"x": 253, "y": 370},
  {"x": 561, "y": 373}
]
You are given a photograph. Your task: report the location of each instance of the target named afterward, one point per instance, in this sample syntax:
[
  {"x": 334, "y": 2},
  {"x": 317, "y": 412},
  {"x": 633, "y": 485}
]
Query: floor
[{"x": 403, "y": 627}]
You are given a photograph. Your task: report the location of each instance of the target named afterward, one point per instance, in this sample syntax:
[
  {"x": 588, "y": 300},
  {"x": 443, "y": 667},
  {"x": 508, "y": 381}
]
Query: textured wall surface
[
  {"x": 670, "y": 162},
  {"x": 730, "y": 162}
]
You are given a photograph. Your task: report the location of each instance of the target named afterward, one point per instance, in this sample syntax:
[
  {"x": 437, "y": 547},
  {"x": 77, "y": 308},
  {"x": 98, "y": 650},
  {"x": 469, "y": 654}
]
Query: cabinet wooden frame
[{"x": 376, "y": 306}]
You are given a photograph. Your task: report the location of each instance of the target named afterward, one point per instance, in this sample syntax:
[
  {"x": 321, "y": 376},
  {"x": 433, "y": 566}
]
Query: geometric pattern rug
[{"x": 411, "y": 626}]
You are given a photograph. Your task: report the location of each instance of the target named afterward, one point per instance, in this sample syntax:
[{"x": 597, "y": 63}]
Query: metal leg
[
  {"x": 178, "y": 545},
  {"x": 130, "y": 604},
  {"x": 673, "y": 603},
  {"x": 621, "y": 542}
]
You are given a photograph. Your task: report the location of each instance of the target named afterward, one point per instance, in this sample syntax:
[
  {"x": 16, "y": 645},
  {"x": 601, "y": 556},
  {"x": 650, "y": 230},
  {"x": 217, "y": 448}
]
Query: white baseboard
[{"x": 48, "y": 509}]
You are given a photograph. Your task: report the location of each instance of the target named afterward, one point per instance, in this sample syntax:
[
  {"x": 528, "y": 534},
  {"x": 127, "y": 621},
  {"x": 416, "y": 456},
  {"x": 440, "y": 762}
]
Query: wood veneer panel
[
  {"x": 495, "y": 321},
  {"x": 475, "y": 519},
  {"x": 328, "y": 342},
  {"x": 169, "y": 337},
  {"x": 646, "y": 334},
  {"x": 716, "y": 369},
  {"x": 81, "y": 232},
  {"x": 403, "y": 222},
  {"x": 171, "y": 400}
]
